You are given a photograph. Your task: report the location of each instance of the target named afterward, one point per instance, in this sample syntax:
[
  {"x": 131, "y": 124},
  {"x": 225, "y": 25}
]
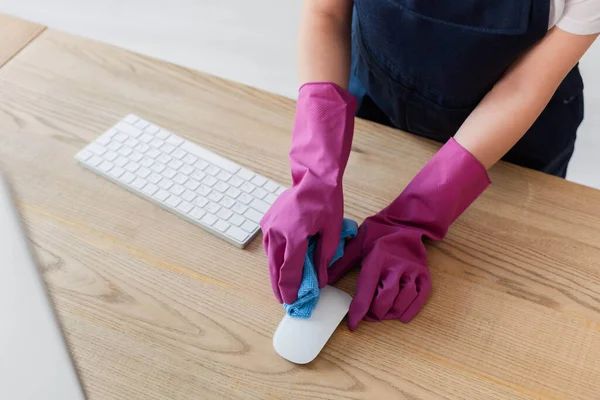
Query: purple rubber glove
[
  {"x": 321, "y": 144},
  {"x": 394, "y": 281}
]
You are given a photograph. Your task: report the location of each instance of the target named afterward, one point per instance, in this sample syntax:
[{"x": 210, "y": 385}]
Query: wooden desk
[
  {"x": 15, "y": 34},
  {"x": 155, "y": 308}
]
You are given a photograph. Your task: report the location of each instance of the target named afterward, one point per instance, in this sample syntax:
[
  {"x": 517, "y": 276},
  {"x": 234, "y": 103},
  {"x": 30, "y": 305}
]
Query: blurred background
[{"x": 252, "y": 42}]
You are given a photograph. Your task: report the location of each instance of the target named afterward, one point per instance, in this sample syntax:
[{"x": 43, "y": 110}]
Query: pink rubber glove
[
  {"x": 394, "y": 281},
  {"x": 321, "y": 143}
]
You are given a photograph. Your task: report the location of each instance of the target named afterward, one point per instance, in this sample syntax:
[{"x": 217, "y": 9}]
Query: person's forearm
[
  {"x": 324, "y": 42},
  {"x": 512, "y": 106}
]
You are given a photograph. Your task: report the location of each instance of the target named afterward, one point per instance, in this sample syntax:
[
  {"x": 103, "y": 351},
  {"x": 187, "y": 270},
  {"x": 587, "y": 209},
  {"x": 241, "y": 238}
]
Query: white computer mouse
[{"x": 301, "y": 340}]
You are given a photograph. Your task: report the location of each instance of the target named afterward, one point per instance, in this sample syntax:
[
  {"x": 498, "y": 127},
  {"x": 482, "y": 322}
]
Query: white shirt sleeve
[{"x": 580, "y": 17}]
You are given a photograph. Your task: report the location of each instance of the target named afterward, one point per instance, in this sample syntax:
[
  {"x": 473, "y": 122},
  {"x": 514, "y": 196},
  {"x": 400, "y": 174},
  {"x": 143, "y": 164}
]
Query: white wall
[{"x": 250, "y": 41}]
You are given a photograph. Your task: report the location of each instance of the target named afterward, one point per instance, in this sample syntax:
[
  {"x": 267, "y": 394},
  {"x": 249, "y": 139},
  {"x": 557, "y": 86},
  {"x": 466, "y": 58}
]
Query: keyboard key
[
  {"x": 126, "y": 151},
  {"x": 143, "y": 172},
  {"x": 271, "y": 186},
  {"x": 210, "y": 157},
  {"x": 224, "y": 213},
  {"x": 84, "y": 155},
  {"x": 236, "y": 234},
  {"x": 192, "y": 184},
  {"x": 179, "y": 154},
  {"x": 167, "y": 148},
  {"x": 175, "y": 164},
  {"x": 153, "y": 129},
  {"x": 146, "y": 162},
  {"x": 245, "y": 198},
  {"x": 224, "y": 176},
  {"x": 105, "y": 166},
  {"x": 211, "y": 169},
  {"x": 94, "y": 161},
  {"x": 239, "y": 208},
  {"x": 215, "y": 196},
  {"x": 209, "y": 181},
  {"x": 185, "y": 207},
  {"x": 201, "y": 164},
  {"x": 158, "y": 167},
  {"x": 174, "y": 140},
  {"x": 177, "y": 190},
  {"x": 188, "y": 195},
  {"x": 259, "y": 180},
  {"x": 154, "y": 177},
  {"x": 201, "y": 201},
  {"x": 279, "y": 191},
  {"x": 236, "y": 219},
  {"x": 260, "y": 193},
  {"x": 253, "y": 215},
  {"x": 161, "y": 195},
  {"x": 150, "y": 189},
  {"x": 212, "y": 208},
  {"x": 164, "y": 134},
  {"x": 103, "y": 140},
  {"x": 236, "y": 181},
  {"x": 249, "y": 226},
  {"x": 198, "y": 175},
  {"x": 233, "y": 192},
  {"x": 164, "y": 158},
  {"x": 227, "y": 202},
  {"x": 203, "y": 190},
  {"x": 131, "y": 142},
  {"x": 114, "y": 146},
  {"x": 248, "y": 187},
  {"x": 142, "y": 147},
  {"x": 121, "y": 137},
  {"x": 221, "y": 226},
  {"x": 180, "y": 178},
  {"x": 197, "y": 213},
  {"x": 127, "y": 177},
  {"x": 209, "y": 219},
  {"x": 141, "y": 124},
  {"x": 260, "y": 205},
  {"x": 136, "y": 156},
  {"x": 165, "y": 184},
  {"x": 245, "y": 174},
  {"x": 132, "y": 167},
  {"x": 110, "y": 155},
  {"x": 157, "y": 143},
  {"x": 107, "y": 136},
  {"x": 132, "y": 119},
  {"x": 139, "y": 183},
  {"x": 270, "y": 198},
  {"x": 97, "y": 149},
  {"x": 128, "y": 129},
  {"x": 169, "y": 173},
  {"x": 186, "y": 169},
  {"x": 190, "y": 159},
  {"x": 116, "y": 172},
  {"x": 146, "y": 138},
  {"x": 221, "y": 187},
  {"x": 153, "y": 153},
  {"x": 173, "y": 201}
]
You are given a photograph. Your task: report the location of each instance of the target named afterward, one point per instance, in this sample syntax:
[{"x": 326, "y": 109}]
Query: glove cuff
[{"x": 450, "y": 182}]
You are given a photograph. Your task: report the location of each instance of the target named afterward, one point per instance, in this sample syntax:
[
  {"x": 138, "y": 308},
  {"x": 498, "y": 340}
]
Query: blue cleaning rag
[{"x": 308, "y": 294}]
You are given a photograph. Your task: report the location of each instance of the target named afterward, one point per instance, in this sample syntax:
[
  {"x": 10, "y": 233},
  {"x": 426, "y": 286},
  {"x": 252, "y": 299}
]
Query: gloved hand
[
  {"x": 394, "y": 281},
  {"x": 321, "y": 144}
]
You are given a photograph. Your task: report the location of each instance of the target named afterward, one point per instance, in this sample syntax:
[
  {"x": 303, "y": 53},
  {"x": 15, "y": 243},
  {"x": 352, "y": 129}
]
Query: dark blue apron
[{"x": 423, "y": 65}]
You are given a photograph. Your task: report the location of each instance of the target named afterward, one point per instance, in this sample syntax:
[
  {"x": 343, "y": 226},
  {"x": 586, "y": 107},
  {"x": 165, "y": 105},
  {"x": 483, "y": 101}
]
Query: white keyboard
[{"x": 182, "y": 177}]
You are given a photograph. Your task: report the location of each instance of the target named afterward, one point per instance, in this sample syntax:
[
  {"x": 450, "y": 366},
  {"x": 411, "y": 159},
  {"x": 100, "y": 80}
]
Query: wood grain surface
[
  {"x": 15, "y": 34},
  {"x": 155, "y": 308}
]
